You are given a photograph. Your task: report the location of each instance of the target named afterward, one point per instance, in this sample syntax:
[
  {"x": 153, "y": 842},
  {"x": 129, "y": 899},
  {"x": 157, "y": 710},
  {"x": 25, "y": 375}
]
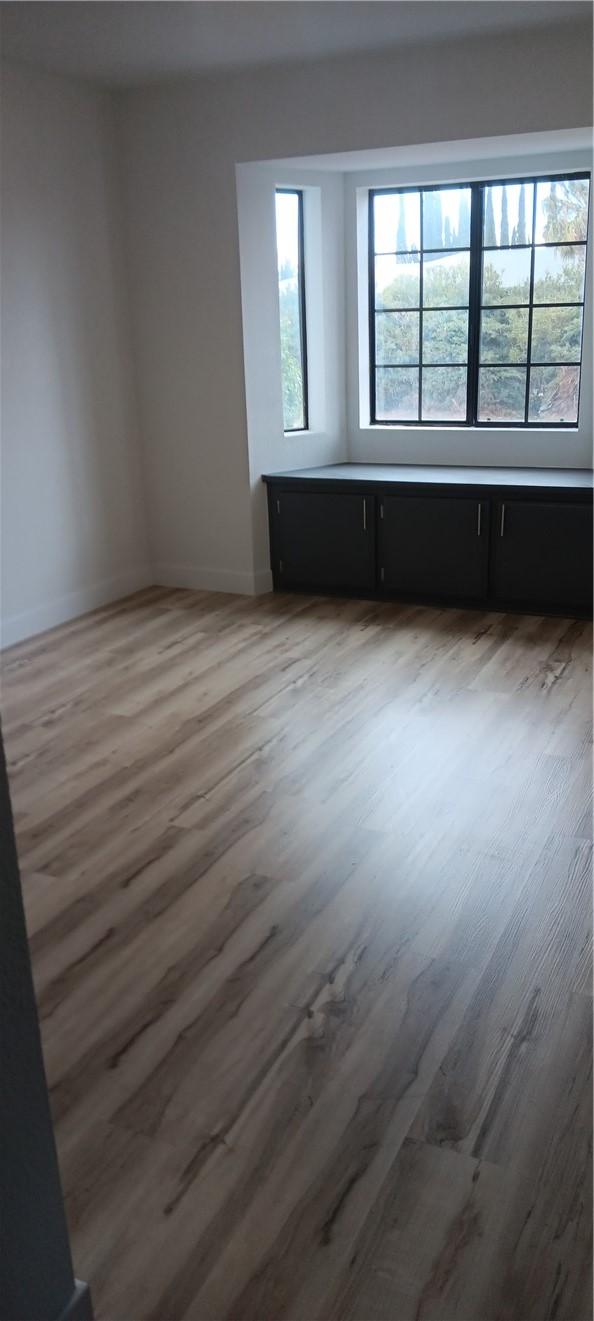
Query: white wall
[
  {"x": 180, "y": 144},
  {"x": 75, "y": 492},
  {"x": 269, "y": 447},
  {"x": 73, "y": 517}
]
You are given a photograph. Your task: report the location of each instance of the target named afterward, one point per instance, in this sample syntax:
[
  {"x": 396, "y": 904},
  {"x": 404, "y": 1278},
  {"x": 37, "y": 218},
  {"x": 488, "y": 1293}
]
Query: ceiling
[{"x": 120, "y": 44}]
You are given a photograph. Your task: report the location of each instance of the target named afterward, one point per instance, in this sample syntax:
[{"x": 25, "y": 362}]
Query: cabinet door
[
  {"x": 434, "y": 546},
  {"x": 542, "y": 553},
  {"x": 325, "y": 539}
]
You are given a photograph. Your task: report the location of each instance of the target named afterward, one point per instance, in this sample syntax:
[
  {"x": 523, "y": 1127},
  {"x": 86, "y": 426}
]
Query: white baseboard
[
  {"x": 242, "y": 582},
  {"x": 15, "y": 628},
  {"x": 263, "y": 581}
]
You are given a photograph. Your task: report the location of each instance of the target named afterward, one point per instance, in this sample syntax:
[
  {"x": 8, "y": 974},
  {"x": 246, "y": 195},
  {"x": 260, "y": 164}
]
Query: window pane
[
  {"x": 445, "y": 336},
  {"x": 527, "y": 293},
  {"x": 506, "y": 277},
  {"x": 396, "y": 337},
  {"x": 397, "y": 394},
  {"x": 289, "y": 292},
  {"x": 504, "y": 334},
  {"x": 507, "y": 215},
  {"x": 446, "y": 218},
  {"x": 502, "y": 394},
  {"x": 562, "y": 210},
  {"x": 397, "y": 222},
  {"x": 554, "y": 393},
  {"x": 444, "y": 394},
  {"x": 397, "y": 281},
  {"x": 559, "y": 275},
  {"x": 445, "y": 279},
  {"x": 556, "y": 334}
]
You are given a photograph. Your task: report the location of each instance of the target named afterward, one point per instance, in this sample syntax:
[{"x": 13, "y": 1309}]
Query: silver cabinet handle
[
  {"x": 478, "y": 519},
  {"x": 502, "y": 524},
  {"x": 364, "y": 515}
]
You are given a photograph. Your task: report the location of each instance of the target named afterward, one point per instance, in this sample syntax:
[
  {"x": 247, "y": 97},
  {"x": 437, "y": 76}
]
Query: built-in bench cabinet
[
  {"x": 497, "y": 537},
  {"x": 325, "y": 539}
]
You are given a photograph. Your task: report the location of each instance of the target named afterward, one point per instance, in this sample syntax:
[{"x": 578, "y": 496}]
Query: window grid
[{"x": 477, "y": 250}]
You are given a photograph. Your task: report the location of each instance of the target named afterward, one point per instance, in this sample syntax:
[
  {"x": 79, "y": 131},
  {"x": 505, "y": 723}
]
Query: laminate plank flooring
[{"x": 308, "y": 889}]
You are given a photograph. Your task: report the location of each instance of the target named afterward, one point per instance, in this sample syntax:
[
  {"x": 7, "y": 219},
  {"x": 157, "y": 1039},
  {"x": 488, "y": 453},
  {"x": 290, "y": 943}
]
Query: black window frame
[
  {"x": 298, "y": 193},
  {"x": 476, "y": 251}
]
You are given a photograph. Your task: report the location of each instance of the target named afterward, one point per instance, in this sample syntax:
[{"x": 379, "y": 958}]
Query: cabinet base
[{"x": 490, "y": 604}]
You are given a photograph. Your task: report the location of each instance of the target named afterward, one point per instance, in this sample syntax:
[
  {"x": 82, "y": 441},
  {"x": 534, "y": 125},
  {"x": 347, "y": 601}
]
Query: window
[
  {"x": 476, "y": 298},
  {"x": 291, "y": 293}
]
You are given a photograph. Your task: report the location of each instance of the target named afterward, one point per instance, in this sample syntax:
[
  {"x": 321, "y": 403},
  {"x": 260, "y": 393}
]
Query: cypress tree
[
  {"x": 490, "y": 235},
  {"x": 520, "y": 231},
  {"x": 504, "y": 220},
  {"x": 464, "y": 221},
  {"x": 438, "y": 220},
  {"x": 432, "y": 219}
]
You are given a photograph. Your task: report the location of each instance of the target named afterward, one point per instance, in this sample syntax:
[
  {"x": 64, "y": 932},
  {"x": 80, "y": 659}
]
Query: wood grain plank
[{"x": 308, "y": 888}]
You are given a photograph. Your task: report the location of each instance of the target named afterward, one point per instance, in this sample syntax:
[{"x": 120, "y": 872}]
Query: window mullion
[{"x": 474, "y": 303}]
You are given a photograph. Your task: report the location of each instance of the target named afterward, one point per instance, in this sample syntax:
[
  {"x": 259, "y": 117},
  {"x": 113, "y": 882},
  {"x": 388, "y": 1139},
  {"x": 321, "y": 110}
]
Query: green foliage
[
  {"x": 446, "y": 281},
  {"x": 292, "y": 375},
  {"x": 559, "y": 275},
  {"x": 556, "y": 338},
  {"x": 566, "y": 211},
  {"x": 397, "y": 393},
  {"x": 556, "y": 331},
  {"x": 504, "y": 332},
  {"x": 502, "y": 394},
  {"x": 397, "y": 337},
  {"x": 445, "y": 337},
  {"x": 444, "y": 394}
]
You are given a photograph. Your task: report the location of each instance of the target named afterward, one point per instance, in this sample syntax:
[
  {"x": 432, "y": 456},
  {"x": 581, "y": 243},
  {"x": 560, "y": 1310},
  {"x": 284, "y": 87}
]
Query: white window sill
[{"x": 413, "y": 428}]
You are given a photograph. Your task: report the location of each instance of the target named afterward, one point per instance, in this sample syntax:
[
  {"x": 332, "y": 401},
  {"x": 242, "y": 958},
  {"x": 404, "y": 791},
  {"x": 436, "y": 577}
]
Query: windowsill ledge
[{"x": 427, "y": 428}]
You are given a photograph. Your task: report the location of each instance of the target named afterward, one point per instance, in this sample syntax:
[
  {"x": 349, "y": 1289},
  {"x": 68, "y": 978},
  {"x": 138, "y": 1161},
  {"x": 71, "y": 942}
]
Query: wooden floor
[{"x": 309, "y": 895}]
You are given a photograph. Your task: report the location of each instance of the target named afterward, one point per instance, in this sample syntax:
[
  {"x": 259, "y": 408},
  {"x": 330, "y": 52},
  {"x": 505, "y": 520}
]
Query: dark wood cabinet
[
  {"x": 497, "y": 538},
  {"x": 542, "y": 552},
  {"x": 325, "y": 539},
  {"x": 432, "y": 546}
]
